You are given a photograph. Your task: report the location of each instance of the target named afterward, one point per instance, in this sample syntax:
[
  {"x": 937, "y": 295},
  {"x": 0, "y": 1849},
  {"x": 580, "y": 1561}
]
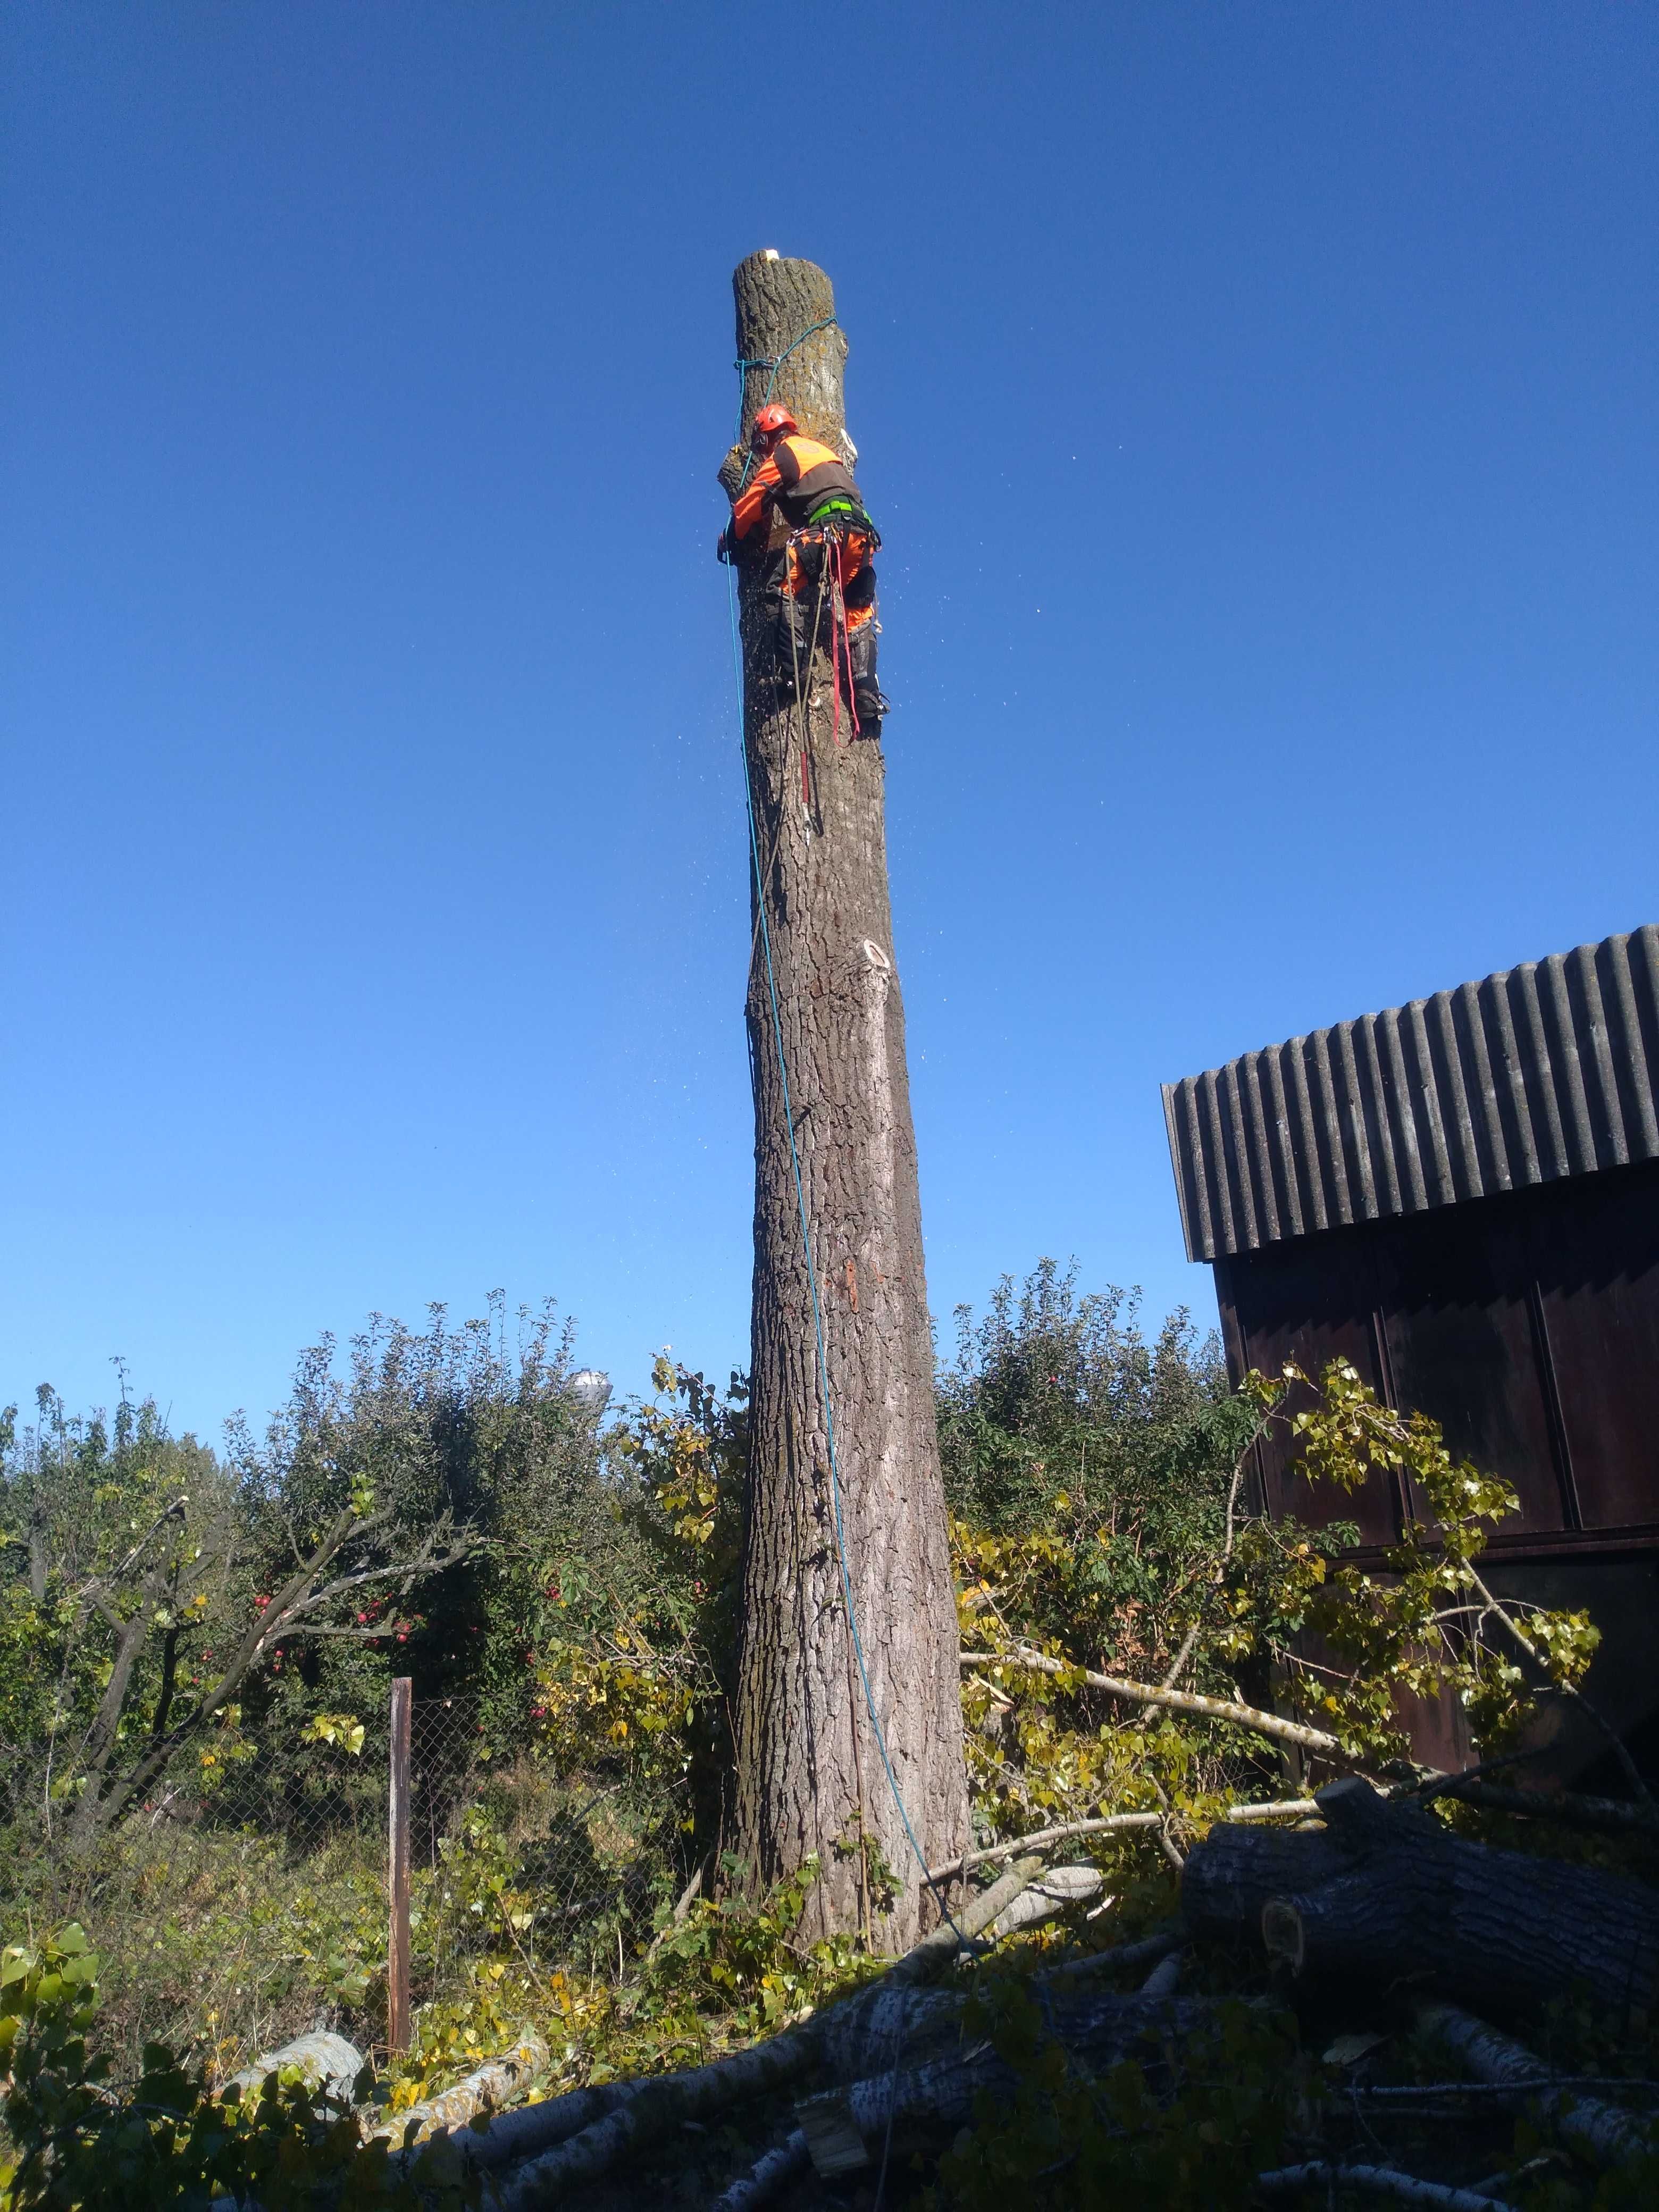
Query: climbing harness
[{"x": 743, "y": 367}]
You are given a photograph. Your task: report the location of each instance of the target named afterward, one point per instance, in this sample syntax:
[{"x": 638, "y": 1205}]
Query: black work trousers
[{"x": 799, "y": 579}]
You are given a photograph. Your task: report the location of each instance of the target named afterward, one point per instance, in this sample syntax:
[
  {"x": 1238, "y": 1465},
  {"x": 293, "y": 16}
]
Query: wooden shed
[{"x": 1461, "y": 1197}]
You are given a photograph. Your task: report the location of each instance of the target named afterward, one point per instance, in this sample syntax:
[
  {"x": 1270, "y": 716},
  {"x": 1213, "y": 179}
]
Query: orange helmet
[{"x": 771, "y": 422}]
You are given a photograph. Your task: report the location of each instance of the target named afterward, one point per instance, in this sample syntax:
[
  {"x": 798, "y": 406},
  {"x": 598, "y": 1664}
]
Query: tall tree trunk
[{"x": 810, "y": 1772}]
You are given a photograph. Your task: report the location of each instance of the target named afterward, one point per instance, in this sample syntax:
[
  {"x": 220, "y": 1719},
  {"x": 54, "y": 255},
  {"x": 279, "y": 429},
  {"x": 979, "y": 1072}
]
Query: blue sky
[{"x": 1258, "y": 406}]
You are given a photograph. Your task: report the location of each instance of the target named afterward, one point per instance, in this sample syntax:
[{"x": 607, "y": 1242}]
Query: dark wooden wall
[{"x": 1528, "y": 1325}]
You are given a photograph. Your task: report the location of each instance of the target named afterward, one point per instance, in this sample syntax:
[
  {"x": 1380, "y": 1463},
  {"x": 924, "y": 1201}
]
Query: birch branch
[
  {"x": 1382, "y": 2181},
  {"x": 1181, "y": 1701},
  {"x": 1602, "y": 2133}
]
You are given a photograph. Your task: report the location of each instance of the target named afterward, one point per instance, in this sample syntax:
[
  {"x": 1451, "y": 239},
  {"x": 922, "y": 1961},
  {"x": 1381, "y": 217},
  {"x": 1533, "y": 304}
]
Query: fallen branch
[
  {"x": 1180, "y": 1701},
  {"x": 1386, "y": 2181},
  {"x": 1596, "y": 1815},
  {"x": 1604, "y": 2135},
  {"x": 1616, "y": 1743},
  {"x": 487, "y": 2087},
  {"x": 642, "y": 2113},
  {"x": 324, "y": 2061},
  {"x": 1050, "y": 1895},
  {"x": 1289, "y": 1809},
  {"x": 1158, "y": 1945},
  {"x": 1108, "y": 1824},
  {"x": 1432, "y": 1784},
  {"x": 551, "y": 2147},
  {"x": 766, "y": 2176},
  {"x": 898, "y": 2110},
  {"x": 1381, "y": 2093},
  {"x": 570, "y": 2141}
]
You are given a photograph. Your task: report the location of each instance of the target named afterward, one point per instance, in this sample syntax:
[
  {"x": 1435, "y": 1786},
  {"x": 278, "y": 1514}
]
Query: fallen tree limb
[
  {"x": 324, "y": 2061},
  {"x": 1615, "y": 1743},
  {"x": 1180, "y": 1701},
  {"x": 1158, "y": 1945},
  {"x": 766, "y": 2176},
  {"x": 1106, "y": 1824},
  {"x": 907, "y": 2108},
  {"x": 532, "y": 2155},
  {"x": 488, "y": 2086},
  {"x": 1433, "y": 1783},
  {"x": 1385, "y": 2180},
  {"x": 1288, "y": 1808},
  {"x": 1406, "y": 2093},
  {"x": 643, "y": 2112},
  {"x": 572, "y": 2140},
  {"x": 1604, "y": 2135},
  {"x": 1596, "y": 1815},
  {"x": 1049, "y": 1896},
  {"x": 1388, "y": 1892}
]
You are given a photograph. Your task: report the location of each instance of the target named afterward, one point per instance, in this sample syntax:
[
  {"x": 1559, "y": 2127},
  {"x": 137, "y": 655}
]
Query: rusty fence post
[{"x": 396, "y": 1976}]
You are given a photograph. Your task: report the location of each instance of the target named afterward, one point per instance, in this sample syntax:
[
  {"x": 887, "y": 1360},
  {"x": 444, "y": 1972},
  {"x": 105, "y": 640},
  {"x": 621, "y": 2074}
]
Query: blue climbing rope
[{"x": 743, "y": 367}]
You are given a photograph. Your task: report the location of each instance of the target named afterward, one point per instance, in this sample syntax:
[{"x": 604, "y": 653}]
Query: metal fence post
[{"x": 396, "y": 1975}]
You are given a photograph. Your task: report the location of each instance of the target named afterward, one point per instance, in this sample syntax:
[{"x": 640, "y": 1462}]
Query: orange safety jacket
[{"x": 800, "y": 476}]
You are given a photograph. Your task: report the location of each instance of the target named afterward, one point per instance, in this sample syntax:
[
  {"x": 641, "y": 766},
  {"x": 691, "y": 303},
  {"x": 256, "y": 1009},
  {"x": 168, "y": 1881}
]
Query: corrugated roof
[{"x": 1542, "y": 1071}]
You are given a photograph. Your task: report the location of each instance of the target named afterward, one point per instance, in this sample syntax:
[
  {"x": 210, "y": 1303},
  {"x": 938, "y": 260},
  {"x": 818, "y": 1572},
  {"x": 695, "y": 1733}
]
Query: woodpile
[{"x": 1371, "y": 1911}]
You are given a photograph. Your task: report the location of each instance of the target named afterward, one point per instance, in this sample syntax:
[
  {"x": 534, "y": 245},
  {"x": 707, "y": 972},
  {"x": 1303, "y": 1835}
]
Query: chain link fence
[{"x": 233, "y": 1908}]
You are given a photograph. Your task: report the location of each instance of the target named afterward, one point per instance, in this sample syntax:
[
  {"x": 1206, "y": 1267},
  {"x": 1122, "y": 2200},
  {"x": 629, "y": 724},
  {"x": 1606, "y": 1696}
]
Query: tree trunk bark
[{"x": 810, "y": 1772}]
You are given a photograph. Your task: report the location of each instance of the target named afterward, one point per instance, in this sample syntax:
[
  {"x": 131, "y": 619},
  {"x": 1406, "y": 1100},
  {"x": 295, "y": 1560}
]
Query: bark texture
[
  {"x": 1385, "y": 1894},
  {"x": 809, "y": 1771}
]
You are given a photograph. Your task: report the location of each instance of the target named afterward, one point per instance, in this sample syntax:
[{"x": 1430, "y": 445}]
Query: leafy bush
[
  {"x": 77, "y": 2149},
  {"x": 581, "y": 1600},
  {"x": 1053, "y": 1393}
]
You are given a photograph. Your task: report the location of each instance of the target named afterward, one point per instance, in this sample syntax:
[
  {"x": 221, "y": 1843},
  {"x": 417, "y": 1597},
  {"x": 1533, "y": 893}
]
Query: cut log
[
  {"x": 324, "y": 2061},
  {"x": 1165, "y": 1977},
  {"x": 1387, "y": 1894}
]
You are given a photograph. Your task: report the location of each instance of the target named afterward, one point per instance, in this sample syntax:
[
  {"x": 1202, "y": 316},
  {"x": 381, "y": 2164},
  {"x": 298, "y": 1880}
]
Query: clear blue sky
[{"x": 1259, "y": 404}]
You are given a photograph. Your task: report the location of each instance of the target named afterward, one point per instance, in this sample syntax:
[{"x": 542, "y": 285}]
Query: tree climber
[{"x": 797, "y": 510}]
